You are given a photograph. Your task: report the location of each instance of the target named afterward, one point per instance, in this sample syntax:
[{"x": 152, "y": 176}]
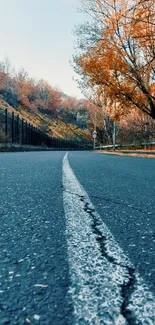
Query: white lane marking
[{"x": 104, "y": 288}]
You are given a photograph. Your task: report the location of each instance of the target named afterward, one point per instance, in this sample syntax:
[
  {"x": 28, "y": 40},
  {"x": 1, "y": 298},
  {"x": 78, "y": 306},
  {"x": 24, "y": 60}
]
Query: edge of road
[
  {"x": 26, "y": 148},
  {"x": 132, "y": 153},
  {"x": 23, "y": 148},
  {"x": 18, "y": 148},
  {"x": 105, "y": 286}
]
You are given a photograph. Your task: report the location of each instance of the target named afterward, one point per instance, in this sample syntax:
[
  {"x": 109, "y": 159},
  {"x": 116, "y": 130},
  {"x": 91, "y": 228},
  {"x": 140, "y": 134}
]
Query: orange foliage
[
  {"x": 122, "y": 62},
  {"x": 3, "y": 79},
  {"x": 20, "y": 90}
]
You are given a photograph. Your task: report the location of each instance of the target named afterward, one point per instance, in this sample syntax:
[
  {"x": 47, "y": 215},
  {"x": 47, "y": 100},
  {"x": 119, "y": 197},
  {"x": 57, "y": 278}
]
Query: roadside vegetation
[
  {"x": 42, "y": 105},
  {"x": 115, "y": 63},
  {"x": 115, "y": 60}
]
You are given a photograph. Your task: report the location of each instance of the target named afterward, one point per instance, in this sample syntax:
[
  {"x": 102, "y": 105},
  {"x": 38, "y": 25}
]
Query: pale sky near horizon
[{"x": 37, "y": 35}]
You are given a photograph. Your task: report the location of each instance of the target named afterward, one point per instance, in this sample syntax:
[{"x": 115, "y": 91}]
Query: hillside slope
[
  {"x": 42, "y": 105},
  {"x": 55, "y": 126}
]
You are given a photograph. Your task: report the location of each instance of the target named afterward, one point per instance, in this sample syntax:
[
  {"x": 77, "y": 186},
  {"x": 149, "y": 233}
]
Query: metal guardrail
[{"x": 126, "y": 145}]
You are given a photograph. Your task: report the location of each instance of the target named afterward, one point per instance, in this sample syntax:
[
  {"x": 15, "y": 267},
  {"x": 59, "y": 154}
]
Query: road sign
[{"x": 94, "y": 134}]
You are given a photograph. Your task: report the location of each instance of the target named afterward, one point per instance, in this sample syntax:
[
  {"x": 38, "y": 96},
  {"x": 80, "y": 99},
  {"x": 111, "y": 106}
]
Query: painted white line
[{"x": 105, "y": 288}]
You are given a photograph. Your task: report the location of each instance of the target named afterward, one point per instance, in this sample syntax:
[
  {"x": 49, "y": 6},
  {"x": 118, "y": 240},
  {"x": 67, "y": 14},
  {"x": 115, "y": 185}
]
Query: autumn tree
[
  {"x": 3, "y": 77},
  {"x": 48, "y": 98},
  {"x": 69, "y": 103},
  {"x": 7, "y": 83},
  {"x": 118, "y": 53}
]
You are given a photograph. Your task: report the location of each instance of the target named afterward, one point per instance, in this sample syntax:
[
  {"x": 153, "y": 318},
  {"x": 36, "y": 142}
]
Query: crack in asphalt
[
  {"x": 128, "y": 287},
  {"x": 120, "y": 204},
  {"x": 112, "y": 201}
]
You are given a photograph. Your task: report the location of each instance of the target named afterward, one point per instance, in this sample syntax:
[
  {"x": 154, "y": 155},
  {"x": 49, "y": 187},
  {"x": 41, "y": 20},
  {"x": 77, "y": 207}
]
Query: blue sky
[{"x": 37, "y": 35}]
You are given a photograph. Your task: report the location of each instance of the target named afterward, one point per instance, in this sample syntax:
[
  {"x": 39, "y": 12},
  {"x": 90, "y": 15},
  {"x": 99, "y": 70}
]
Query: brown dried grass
[{"x": 135, "y": 154}]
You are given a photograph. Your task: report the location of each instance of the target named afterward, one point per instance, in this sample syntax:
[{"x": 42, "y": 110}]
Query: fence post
[
  {"x": 26, "y": 132},
  {"x": 17, "y": 129},
  {"x": 31, "y": 135},
  {"x": 34, "y": 135},
  {"x": 22, "y": 131},
  {"x": 12, "y": 127},
  {"x": 6, "y": 124}
]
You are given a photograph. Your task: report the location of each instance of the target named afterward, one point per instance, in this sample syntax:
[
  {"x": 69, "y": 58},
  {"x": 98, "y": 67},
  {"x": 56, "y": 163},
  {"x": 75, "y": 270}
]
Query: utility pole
[
  {"x": 114, "y": 135},
  {"x": 147, "y": 128},
  {"x": 114, "y": 130},
  {"x": 104, "y": 114},
  {"x": 94, "y": 132}
]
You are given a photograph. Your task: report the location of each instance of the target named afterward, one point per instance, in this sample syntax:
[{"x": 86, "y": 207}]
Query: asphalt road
[
  {"x": 33, "y": 260},
  {"x": 34, "y": 256},
  {"x": 123, "y": 192}
]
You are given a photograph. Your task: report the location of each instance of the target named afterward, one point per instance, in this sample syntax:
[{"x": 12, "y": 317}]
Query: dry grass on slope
[{"x": 53, "y": 127}]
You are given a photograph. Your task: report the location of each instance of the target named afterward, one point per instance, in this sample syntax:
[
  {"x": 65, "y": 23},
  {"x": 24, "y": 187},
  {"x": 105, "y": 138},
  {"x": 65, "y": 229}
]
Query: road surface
[{"x": 77, "y": 239}]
